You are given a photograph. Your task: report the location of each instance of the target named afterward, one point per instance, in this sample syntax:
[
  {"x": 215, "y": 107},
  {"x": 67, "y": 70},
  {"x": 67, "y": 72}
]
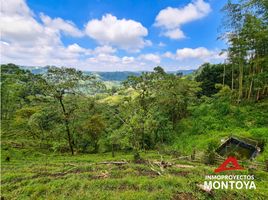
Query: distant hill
[
  {"x": 116, "y": 76},
  {"x": 35, "y": 70},
  {"x": 184, "y": 72},
  {"x": 105, "y": 76}
]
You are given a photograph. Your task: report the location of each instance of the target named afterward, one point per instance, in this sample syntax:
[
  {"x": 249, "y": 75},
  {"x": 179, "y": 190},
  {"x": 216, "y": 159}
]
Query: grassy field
[{"x": 55, "y": 176}]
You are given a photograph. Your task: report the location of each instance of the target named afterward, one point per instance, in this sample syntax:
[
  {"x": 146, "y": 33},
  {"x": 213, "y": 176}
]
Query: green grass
[
  {"x": 186, "y": 143},
  {"x": 54, "y": 176},
  {"x": 212, "y": 122}
]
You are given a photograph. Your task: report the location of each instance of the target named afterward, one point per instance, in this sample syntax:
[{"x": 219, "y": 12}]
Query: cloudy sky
[{"x": 111, "y": 35}]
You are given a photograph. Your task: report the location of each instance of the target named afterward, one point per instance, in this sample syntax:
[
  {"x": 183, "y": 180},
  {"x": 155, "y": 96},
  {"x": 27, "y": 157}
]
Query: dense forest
[{"x": 66, "y": 111}]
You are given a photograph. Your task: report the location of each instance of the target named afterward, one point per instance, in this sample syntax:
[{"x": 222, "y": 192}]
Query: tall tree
[
  {"x": 246, "y": 28},
  {"x": 62, "y": 83}
]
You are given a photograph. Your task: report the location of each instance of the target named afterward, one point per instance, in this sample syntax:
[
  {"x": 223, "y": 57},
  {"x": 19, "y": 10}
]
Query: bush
[{"x": 210, "y": 155}]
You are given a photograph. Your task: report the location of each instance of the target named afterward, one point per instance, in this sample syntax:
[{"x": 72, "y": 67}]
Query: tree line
[
  {"x": 246, "y": 33},
  {"x": 65, "y": 104},
  {"x": 65, "y": 109}
]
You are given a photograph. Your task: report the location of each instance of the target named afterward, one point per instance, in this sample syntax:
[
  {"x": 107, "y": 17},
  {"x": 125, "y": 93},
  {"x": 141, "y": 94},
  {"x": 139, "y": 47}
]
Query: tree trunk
[
  {"x": 251, "y": 83},
  {"x": 263, "y": 90},
  {"x": 258, "y": 95},
  {"x": 258, "y": 71},
  {"x": 223, "y": 78},
  {"x": 250, "y": 88},
  {"x": 232, "y": 77},
  {"x": 113, "y": 150},
  {"x": 240, "y": 90},
  {"x": 96, "y": 147},
  {"x": 143, "y": 137},
  {"x": 66, "y": 123}
]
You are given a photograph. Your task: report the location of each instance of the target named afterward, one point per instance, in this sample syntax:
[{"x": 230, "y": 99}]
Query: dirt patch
[
  {"x": 183, "y": 196},
  {"x": 122, "y": 167},
  {"x": 140, "y": 171},
  {"x": 182, "y": 173},
  {"x": 128, "y": 187},
  {"x": 147, "y": 173},
  {"x": 102, "y": 175},
  {"x": 140, "y": 161}
]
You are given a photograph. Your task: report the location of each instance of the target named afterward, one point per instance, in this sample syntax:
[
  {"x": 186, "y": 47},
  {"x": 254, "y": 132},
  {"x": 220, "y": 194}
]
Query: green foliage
[
  {"x": 212, "y": 74},
  {"x": 63, "y": 109},
  {"x": 247, "y": 34},
  {"x": 154, "y": 110},
  {"x": 210, "y": 154},
  {"x": 91, "y": 130}
]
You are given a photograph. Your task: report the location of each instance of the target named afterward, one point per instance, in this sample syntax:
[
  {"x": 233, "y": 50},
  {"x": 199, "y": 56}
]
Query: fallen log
[
  {"x": 113, "y": 162},
  {"x": 184, "y": 166},
  {"x": 154, "y": 170}
]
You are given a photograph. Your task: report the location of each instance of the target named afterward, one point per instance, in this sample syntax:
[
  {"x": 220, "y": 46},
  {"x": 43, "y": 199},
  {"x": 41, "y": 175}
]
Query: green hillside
[{"x": 69, "y": 134}]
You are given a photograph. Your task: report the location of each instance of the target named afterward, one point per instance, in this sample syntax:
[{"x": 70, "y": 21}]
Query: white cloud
[
  {"x": 128, "y": 60},
  {"x": 18, "y": 25},
  {"x": 171, "y": 19},
  {"x": 15, "y": 7},
  {"x": 35, "y": 43},
  {"x": 200, "y": 53},
  {"x": 161, "y": 44},
  {"x": 58, "y": 24},
  {"x": 191, "y": 58},
  {"x": 108, "y": 58},
  {"x": 28, "y": 41},
  {"x": 122, "y": 33},
  {"x": 150, "y": 57},
  {"x": 168, "y": 54},
  {"x": 4, "y": 43},
  {"x": 174, "y": 34},
  {"x": 75, "y": 48},
  {"x": 104, "y": 49}
]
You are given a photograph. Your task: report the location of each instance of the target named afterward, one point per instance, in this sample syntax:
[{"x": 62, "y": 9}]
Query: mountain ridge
[{"x": 105, "y": 76}]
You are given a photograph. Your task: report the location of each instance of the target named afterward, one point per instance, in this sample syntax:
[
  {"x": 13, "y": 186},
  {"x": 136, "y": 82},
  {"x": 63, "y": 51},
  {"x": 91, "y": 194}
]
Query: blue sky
[{"x": 106, "y": 35}]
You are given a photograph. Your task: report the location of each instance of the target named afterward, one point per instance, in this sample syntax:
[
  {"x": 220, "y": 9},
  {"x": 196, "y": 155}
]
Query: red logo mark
[{"x": 223, "y": 166}]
